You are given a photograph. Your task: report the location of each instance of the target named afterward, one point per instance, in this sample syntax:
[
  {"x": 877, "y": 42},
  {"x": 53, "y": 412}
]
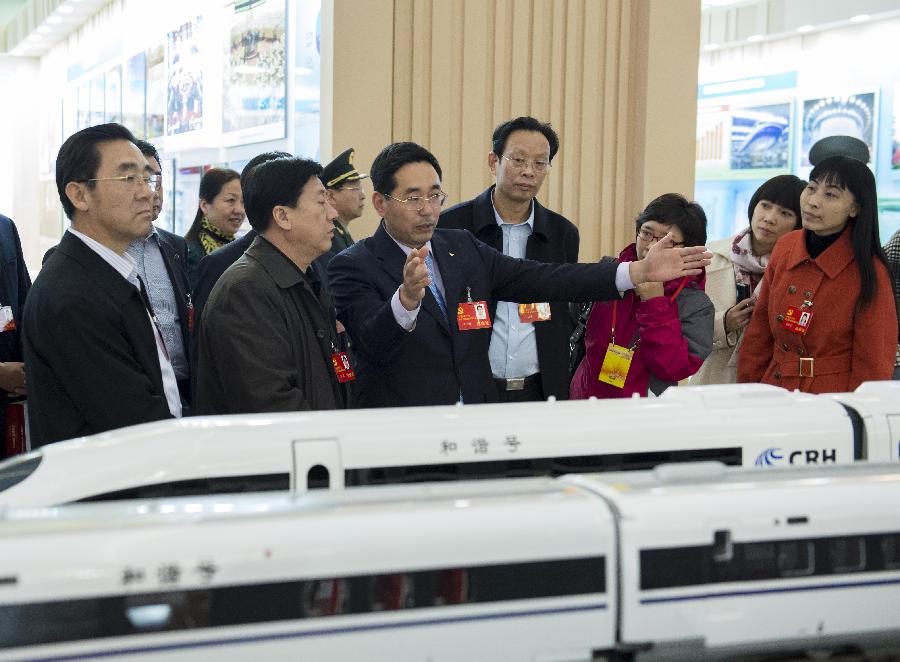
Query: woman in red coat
[
  {"x": 825, "y": 319},
  {"x": 658, "y": 333}
]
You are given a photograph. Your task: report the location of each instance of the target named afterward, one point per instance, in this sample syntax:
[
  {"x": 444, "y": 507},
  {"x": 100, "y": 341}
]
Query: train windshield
[{"x": 13, "y": 472}]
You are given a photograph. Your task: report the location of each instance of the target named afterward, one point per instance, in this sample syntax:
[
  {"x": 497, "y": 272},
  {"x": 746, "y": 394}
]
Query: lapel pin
[{"x": 452, "y": 254}]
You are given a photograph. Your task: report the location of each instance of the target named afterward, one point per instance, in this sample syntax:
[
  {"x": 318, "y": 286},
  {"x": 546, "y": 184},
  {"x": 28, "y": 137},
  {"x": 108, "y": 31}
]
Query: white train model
[
  {"x": 747, "y": 424},
  {"x": 686, "y": 562}
]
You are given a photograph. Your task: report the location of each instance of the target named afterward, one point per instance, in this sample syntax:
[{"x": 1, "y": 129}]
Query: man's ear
[
  {"x": 280, "y": 218},
  {"x": 78, "y": 195},
  {"x": 379, "y": 202},
  {"x": 492, "y": 163}
]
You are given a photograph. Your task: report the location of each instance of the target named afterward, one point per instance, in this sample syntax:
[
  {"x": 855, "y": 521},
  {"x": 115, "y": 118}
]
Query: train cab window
[
  {"x": 847, "y": 554},
  {"x": 199, "y": 487},
  {"x": 890, "y": 551},
  {"x": 317, "y": 478},
  {"x": 17, "y": 469},
  {"x": 796, "y": 558}
]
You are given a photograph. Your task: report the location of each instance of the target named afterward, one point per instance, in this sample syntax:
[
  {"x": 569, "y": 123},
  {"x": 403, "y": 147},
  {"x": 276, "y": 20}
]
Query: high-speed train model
[
  {"x": 685, "y": 562},
  {"x": 742, "y": 424}
]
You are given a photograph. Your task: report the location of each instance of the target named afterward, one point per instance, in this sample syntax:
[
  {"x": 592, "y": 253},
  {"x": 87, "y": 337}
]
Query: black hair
[
  {"x": 525, "y": 123},
  {"x": 855, "y": 176},
  {"x": 210, "y": 186},
  {"x": 675, "y": 209},
  {"x": 784, "y": 191},
  {"x": 148, "y": 150},
  {"x": 261, "y": 158},
  {"x": 395, "y": 156},
  {"x": 79, "y": 157},
  {"x": 276, "y": 182}
]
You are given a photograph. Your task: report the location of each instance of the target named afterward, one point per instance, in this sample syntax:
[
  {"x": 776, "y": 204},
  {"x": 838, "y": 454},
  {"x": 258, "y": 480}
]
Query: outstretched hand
[
  {"x": 664, "y": 262},
  {"x": 415, "y": 279}
]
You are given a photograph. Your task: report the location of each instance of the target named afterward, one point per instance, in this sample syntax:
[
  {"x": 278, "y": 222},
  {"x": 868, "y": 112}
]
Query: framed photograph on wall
[
  {"x": 184, "y": 71},
  {"x": 761, "y": 137},
  {"x": 155, "y": 90},
  {"x": 134, "y": 94},
  {"x": 839, "y": 115},
  {"x": 113, "y": 96},
  {"x": 254, "y": 89}
]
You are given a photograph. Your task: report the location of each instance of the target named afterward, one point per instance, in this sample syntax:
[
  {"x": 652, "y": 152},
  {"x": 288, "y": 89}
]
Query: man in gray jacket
[{"x": 267, "y": 338}]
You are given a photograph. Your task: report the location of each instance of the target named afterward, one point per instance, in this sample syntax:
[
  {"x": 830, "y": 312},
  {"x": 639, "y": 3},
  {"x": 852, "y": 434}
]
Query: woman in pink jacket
[
  {"x": 658, "y": 333},
  {"x": 825, "y": 320}
]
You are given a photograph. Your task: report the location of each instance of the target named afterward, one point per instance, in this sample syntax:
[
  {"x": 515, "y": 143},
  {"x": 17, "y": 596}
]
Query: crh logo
[{"x": 774, "y": 456}]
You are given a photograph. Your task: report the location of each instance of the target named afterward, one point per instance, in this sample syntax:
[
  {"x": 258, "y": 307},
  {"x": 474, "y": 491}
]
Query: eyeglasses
[
  {"x": 133, "y": 181},
  {"x": 521, "y": 164},
  {"x": 649, "y": 238},
  {"x": 418, "y": 202}
]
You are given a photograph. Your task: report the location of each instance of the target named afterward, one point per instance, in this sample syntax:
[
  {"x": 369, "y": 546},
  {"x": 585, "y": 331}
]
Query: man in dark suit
[
  {"x": 14, "y": 285},
  {"x": 529, "y": 349},
  {"x": 412, "y": 297},
  {"x": 95, "y": 354},
  {"x": 160, "y": 259}
]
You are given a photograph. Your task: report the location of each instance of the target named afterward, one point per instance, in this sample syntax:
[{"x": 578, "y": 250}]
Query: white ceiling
[{"x": 38, "y": 25}]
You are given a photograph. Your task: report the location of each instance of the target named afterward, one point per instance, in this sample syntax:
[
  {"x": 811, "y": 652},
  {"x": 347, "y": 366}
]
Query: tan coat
[
  {"x": 848, "y": 346},
  {"x": 720, "y": 366}
]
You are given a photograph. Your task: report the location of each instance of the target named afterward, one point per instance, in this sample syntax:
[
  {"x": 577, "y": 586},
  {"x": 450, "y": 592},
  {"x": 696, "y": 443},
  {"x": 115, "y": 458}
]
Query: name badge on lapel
[
  {"x": 534, "y": 312},
  {"x": 472, "y": 314},
  {"x": 7, "y": 322}
]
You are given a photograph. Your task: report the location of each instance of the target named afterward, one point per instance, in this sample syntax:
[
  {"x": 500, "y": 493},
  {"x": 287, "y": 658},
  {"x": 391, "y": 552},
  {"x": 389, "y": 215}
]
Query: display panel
[
  {"x": 254, "y": 91},
  {"x": 113, "y": 95},
  {"x": 156, "y": 90},
  {"x": 761, "y": 137},
  {"x": 184, "y": 92},
  {"x": 850, "y": 115},
  {"x": 307, "y": 78}
]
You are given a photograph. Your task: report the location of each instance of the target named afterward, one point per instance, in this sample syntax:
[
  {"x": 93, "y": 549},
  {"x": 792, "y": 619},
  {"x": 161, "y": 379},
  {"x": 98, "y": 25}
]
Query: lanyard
[{"x": 615, "y": 309}]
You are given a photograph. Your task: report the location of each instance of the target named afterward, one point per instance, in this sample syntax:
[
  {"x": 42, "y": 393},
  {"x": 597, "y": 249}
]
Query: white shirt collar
[{"x": 123, "y": 264}]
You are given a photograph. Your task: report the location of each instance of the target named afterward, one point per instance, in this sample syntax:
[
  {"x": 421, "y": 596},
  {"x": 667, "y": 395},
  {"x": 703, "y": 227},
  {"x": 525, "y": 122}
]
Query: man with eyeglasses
[
  {"x": 413, "y": 298},
  {"x": 93, "y": 345},
  {"x": 529, "y": 349},
  {"x": 160, "y": 261}
]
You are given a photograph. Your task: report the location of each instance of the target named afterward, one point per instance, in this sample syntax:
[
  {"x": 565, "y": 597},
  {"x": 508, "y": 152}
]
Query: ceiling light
[
  {"x": 34, "y": 37},
  {"x": 17, "y": 52},
  {"x": 54, "y": 19},
  {"x": 711, "y": 47},
  {"x": 65, "y": 9},
  {"x": 44, "y": 29},
  {"x": 755, "y": 37},
  {"x": 806, "y": 28},
  {"x": 859, "y": 18}
]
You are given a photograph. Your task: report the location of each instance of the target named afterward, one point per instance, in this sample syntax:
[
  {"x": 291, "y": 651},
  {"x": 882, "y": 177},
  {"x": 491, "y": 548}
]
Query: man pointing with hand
[{"x": 414, "y": 299}]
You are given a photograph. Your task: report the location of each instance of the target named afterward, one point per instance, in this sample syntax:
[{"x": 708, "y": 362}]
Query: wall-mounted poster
[
  {"x": 134, "y": 89},
  {"x": 712, "y": 147},
  {"x": 253, "y": 104},
  {"x": 852, "y": 115},
  {"x": 307, "y": 68},
  {"x": 167, "y": 214},
  {"x": 187, "y": 197},
  {"x": 761, "y": 137},
  {"x": 156, "y": 90},
  {"x": 113, "y": 95},
  {"x": 895, "y": 133},
  {"x": 98, "y": 101},
  {"x": 184, "y": 93}
]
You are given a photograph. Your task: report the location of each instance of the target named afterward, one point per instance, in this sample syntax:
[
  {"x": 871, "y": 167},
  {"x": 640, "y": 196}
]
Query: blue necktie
[{"x": 429, "y": 264}]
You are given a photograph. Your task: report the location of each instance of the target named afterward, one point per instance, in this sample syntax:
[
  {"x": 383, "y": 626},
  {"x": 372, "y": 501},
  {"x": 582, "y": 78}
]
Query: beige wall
[{"x": 616, "y": 78}]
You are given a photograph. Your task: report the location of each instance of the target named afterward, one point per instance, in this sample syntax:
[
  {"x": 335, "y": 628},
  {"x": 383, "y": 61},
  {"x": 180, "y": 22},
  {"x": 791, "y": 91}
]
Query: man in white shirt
[{"x": 94, "y": 349}]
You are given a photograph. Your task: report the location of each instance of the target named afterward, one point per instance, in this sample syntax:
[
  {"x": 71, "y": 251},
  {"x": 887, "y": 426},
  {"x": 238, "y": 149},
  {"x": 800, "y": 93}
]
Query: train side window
[
  {"x": 796, "y": 558},
  {"x": 847, "y": 554},
  {"x": 279, "y": 482},
  {"x": 760, "y": 560},
  {"x": 890, "y": 551}
]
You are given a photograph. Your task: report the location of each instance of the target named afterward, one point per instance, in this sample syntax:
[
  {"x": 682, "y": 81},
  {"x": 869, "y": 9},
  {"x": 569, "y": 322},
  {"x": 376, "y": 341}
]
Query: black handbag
[{"x": 576, "y": 340}]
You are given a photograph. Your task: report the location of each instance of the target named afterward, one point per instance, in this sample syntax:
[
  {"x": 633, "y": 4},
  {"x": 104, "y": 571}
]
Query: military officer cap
[
  {"x": 341, "y": 170},
  {"x": 848, "y": 146}
]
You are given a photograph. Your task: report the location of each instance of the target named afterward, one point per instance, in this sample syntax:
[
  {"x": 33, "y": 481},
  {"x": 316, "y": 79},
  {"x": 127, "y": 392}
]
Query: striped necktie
[{"x": 438, "y": 296}]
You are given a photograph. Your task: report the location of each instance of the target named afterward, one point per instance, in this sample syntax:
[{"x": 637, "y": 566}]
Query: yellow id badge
[{"x": 616, "y": 364}]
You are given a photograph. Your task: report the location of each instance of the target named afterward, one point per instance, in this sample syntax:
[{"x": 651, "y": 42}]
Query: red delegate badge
[
  {"x": 342, "y": 368},
  {"x": 534, "y": 312},
  {"x": 473, "y": 315},
  {"x": 797, "y": 320}
]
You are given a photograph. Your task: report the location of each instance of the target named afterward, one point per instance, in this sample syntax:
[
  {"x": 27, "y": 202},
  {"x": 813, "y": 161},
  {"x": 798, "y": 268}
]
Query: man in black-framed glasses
[{"x": 93, "y": 344}]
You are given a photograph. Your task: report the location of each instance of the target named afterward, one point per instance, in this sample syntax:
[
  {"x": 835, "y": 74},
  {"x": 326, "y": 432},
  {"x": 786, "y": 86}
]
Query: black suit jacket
[
  {"x": 90, "y": 349},
  {"x": 553, "y": 239},
  {"x": 434, "y": 362},
  {"x": 14, "y": 285}
]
